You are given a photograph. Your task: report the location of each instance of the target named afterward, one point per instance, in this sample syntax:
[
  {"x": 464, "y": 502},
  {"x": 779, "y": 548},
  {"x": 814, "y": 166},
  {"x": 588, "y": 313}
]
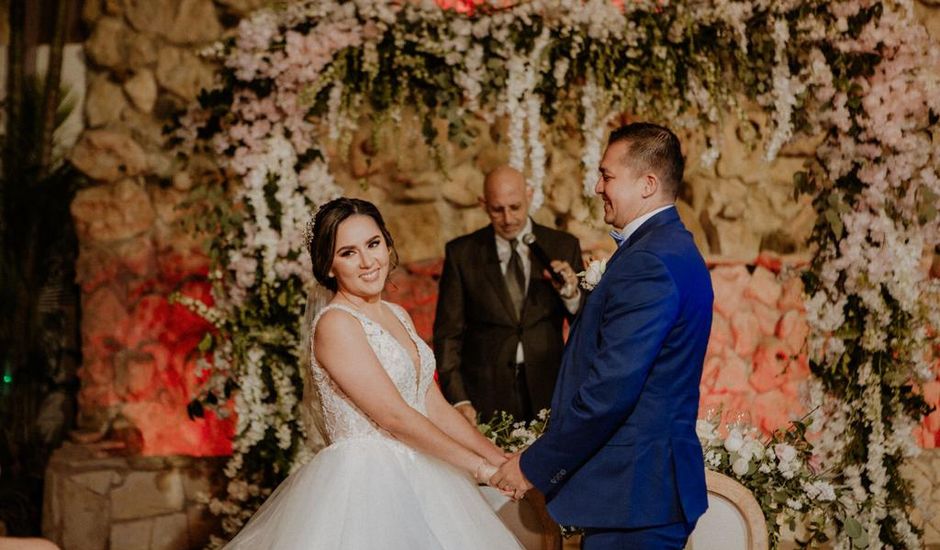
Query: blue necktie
[{"x": 617, "y": 237}]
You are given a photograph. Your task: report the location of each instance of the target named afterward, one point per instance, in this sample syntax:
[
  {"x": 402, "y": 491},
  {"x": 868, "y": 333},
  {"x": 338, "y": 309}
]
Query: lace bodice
[{"x": 342, "y": 417}]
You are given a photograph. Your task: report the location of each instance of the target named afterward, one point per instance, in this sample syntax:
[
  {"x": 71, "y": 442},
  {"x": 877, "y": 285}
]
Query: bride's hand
[
  {"x": 497, "y": 459},
  {"x": 484, "y": 472}
]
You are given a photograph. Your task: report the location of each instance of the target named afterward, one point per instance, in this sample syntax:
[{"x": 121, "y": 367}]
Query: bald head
[{"x": 506, "y": 200}]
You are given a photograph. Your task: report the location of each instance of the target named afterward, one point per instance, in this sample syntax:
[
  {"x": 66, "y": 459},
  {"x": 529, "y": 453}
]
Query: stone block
[
  {"x": 793, "y": 330},
  {"x": 769, "y": 365},
  {"x": 182, "y": 73},
  {"x": 148, "y": 463},
  {"x": 98, "y": 481},
  {"x": 132, "y": 535},
  {"x": 243, "y": 7},
  {"x": 464, "y": 186},
  {"x": 170, "y": 532},
  {"x": 150, "y": 16},
  {"x": 195, "y": 22},
  {"x": 134, "y": 375},
  {"x": 141, "y": 51},
  {"x": 770, "y": 410},
  {"x": 690, "y": 220},
  {"x": 196, "y": 483},
  {"x": 791, "y": 295},
  {"x": 146, "y": 494},
  {"x": 104, "y": 102},
  {"x": 767, "y": 317},
  {"x": 732, "y": 375},
  {"x": 142, "y": 90},
  {"x": 85, "y": 518},
  {"x": 763, "y": 287},
  {"x": 108, "y": 156},
  {"x": 746, "y": 331},
  {"x": 91, "y": 11},
  {"x": 112, "y": 212},
  {"x": 200, "y": 525},
  {"x": 416, "y": 230},
  {"x": 104, "y": 310},
  {"x": 728, "y": 283},
  {"x": 563, "y": 183},
  {"x": 107, "y": 45}
]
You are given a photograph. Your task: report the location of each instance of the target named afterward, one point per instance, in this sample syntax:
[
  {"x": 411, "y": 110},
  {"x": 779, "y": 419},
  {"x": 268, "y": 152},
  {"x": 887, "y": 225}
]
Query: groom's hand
[{"x": 509, "y": 477}]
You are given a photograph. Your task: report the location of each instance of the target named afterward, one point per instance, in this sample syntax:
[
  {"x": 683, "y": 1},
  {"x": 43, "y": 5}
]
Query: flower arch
[{"x": 860, "y": 74}]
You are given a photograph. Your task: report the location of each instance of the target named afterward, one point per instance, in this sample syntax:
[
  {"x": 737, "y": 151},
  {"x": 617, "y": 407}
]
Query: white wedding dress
[{"x": 367, "y": 490}]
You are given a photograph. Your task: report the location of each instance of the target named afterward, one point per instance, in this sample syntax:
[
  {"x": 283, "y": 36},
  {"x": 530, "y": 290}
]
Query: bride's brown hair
[{"x": 322, "y": 240}]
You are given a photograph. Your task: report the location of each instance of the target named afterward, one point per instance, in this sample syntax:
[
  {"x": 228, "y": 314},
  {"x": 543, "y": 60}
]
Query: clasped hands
[{"x": 507, "y": 477}]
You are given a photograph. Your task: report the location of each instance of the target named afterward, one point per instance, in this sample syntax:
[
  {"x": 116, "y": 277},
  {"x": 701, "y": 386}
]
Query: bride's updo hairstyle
[{"x": 321, "y": 240}]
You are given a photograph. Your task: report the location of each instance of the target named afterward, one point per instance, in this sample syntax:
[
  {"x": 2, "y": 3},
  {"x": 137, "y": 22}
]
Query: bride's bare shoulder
[{"x": 337, "y": 324}]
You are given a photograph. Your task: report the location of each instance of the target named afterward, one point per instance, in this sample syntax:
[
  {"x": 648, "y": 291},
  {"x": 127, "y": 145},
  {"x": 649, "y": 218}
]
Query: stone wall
[
  {"x": 139, "y": 369},
  {"x": 95, "y": 502}
]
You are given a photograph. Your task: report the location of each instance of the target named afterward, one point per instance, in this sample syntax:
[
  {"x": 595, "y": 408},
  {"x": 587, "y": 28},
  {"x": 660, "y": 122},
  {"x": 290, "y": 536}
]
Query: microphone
[{"x": 539, "y": 252}]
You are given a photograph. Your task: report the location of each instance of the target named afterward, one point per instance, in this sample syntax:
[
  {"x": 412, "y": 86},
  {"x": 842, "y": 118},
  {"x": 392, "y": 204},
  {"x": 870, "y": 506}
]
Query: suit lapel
[{"x": 494, "y": 274}]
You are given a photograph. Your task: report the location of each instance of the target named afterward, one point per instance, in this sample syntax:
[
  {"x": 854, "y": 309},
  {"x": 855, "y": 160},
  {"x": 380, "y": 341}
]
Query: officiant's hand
[
  {"x": 568, "y": 290},
  {"x": 509, "y": 477}
]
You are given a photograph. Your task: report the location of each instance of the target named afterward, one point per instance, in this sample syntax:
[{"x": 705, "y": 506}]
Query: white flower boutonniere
[{"x": 592, "y": 275}]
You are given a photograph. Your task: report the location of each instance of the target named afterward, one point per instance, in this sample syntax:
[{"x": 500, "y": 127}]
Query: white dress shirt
[
  {"x": 631, "y": 227},
  {"x": 504, "y": 252}
]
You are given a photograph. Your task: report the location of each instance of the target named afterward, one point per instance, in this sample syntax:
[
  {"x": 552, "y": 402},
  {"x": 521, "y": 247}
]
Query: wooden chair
[
  {"x": 528, "y": 519},
  {"x": 734, "y": 520}
]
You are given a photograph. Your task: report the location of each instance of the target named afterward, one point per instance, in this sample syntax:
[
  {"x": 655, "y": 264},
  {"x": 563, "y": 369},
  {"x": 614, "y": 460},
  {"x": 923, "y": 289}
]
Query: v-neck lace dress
[{"x": 367, "y": 490}]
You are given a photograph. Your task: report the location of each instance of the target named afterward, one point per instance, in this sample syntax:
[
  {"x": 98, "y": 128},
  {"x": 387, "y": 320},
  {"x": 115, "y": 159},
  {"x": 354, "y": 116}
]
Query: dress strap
[
  {"x": 368, "y": 325},
  {"x": 403, "y": 318},
  {"x": 363, "y": 319}
]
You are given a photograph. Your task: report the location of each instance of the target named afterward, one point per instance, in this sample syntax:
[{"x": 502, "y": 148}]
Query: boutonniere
[{"x": 592, "y": 275}]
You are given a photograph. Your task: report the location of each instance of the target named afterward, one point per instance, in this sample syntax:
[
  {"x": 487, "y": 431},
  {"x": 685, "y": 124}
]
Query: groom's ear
[{"x": 651, "y": 185}]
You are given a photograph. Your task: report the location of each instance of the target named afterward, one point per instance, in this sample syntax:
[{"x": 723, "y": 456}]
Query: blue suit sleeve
[{"x": 642, "y": 304}]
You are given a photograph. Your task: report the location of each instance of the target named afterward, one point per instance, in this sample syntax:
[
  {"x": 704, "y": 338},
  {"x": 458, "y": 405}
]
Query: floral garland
[{"x": 856, "y": 72}]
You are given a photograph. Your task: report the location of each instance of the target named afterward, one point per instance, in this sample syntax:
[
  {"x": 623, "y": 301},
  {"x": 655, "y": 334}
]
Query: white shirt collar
[
  {"x": 526, "y": 229},
  {"x": 631, "y": 227}
]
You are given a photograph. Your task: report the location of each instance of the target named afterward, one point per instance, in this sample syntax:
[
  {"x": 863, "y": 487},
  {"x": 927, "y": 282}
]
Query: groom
[{"x": 620, "y": 457}]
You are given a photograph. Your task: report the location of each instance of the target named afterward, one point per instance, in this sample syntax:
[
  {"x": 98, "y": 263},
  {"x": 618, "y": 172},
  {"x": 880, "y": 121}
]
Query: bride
[{"x": 400, "y": 470}]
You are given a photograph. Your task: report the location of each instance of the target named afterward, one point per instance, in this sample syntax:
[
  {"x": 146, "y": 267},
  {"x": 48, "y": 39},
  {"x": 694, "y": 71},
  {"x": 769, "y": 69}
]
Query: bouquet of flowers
[
  {"x": 780, "y": 471},
  {"x": 510, "y": 435}
]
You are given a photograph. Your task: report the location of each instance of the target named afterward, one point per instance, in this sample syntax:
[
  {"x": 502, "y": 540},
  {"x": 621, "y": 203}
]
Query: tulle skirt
[{"x": 375, "y": 493}]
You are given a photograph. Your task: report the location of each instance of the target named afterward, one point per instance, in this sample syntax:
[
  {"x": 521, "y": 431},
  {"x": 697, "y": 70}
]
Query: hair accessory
[{"x": 310, "y": 229}]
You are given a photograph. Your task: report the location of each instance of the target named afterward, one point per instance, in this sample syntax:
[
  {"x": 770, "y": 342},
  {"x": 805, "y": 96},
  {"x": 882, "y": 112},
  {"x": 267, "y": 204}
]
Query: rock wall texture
[
  {"x": 139, "y": 368},
  {"x": 138, "y": 503}
]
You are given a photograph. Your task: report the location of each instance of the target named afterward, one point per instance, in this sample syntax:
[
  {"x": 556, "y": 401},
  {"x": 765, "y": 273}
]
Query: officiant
[{"x": 504, "y": 295}]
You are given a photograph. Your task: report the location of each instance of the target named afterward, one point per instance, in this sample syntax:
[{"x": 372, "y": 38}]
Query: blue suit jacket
[{"x": 620, "y": 450}]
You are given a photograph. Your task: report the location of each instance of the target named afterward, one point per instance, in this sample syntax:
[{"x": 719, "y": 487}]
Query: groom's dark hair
[
  {"x": 322, "y": 239},
  {"x": 653, "y": 147}
]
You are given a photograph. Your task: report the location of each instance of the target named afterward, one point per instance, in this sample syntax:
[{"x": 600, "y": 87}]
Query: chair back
[{"x": 734, "y": 519}]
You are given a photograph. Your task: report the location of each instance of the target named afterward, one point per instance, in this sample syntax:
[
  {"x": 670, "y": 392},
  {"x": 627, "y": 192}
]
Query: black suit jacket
[{"x": 477, "y": 331}]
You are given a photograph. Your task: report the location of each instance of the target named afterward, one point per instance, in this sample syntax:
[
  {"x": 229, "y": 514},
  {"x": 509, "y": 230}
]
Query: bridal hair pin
[{"x": 309, "y": 229}]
